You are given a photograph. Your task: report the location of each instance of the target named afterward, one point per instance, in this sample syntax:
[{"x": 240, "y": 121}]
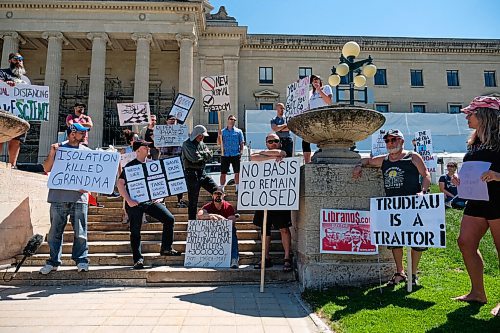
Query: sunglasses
[
  {"x": 451, "y": 166},
  {"x": 218, "y": 193},
  {"x": 392, "y": 140},
  {"x": 232, "y": 119},
  {"x": 273, "y": 141},
  {"x": 18, "y": 58}
]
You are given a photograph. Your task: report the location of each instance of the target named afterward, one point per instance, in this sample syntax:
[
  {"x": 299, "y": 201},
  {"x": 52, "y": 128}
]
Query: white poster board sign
[
  {"x": 417, "y": 221},
  {"x": 424, "y": 148},
  {"x": 126, "y": 158},
  {"x": 133, "y": 113},
  {"x": 215, "y": 93},
  {"x": 378, "y": 143},
  {"x": 182, "y": 106},
  {"x": 170, "y": 135},
  {"x": 26, "y": 101},
  {"x": 269, "y": 185},
  {"x": 471, "y": 186},
  {"x": 78, "y": 169},
  {"x": 346, "y": 232},
  {"x": 208, "y": 243},
  {"x": 297, "y": 98}
]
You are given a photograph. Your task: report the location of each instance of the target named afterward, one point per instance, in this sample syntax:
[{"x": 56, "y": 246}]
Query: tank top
[{"x": 400, "y": 177}]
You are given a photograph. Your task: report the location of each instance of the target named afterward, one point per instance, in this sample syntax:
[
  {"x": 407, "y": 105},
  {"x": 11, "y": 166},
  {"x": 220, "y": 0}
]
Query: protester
[
  {"x": 135, "y": 211},
  {"x": 81, "y": 118},
  {"x": 220, "y": 209},
  {"x": 130, "y": 137},
  {"x": 278, "y": 219},
  {"x": 195, "y": 155},
  {"x": 278, "y": 125},
  {"x": 232, "y": 140},
  {"x": 483, "y": 116},
  {"x": 401, "y": 171},
  {"x": 14, "y": 74},
  {"x": 146, "y": 134},
  {"x": 449, "y": 189},
  {"x": 64, "y": 203}
]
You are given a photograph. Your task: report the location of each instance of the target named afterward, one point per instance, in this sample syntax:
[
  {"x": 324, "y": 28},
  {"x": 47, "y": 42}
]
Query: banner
[
  {"x": 208, "y": 243},
  {"x": 297, "y": 98},
  {"x": 269, "y": 185},
  {"x": 182, "y": 106},
  {"x": 25, "y": 101},
  {"x": 416, "y": 220},
  {"x": 133, "y": 113},
  {"x": 378, "y": 143},
  {"x": 170, "y": 135},
  {"x": 215, "y": 93},
  {"x": 155, "y": 179},
  {"x": 78, "y": 169},
  {"x": 345, "y": 232},
  {"x": 424, "y": 148},
  {"x": 471, "y": 186}
]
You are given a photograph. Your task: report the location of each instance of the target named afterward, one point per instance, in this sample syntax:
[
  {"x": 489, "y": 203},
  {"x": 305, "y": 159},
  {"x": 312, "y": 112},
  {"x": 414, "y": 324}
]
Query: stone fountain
[{"x": 11, "y": 126}]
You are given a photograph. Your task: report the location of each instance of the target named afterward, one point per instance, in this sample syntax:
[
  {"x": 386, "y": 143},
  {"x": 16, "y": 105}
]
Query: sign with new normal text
[
  {"x": 269, "y": 185},
  {"x": 78, "y": 169},
  {"x": 416, "y": 220},
  {"x": 424, "y": 148},
  {"x": 25, "y": 101},
  {"x": 155, "y": 179},
  {"x": 170, "y": 135},
  {"x": 182, "y": 106},
  {"x": 297, "y": 98},
  {"x": 215, "y": 93}
]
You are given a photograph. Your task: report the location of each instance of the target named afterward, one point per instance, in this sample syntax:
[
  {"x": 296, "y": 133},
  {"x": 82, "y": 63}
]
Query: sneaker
[
  {"x": 47, "y": 269},
  {"x": 234, "y": 263},
  {"x": 139, "y": 264},
  {"x": 170, "y": 253},
  {"x": 83, "y": 267},
  {"x": 414, "y": 280}
]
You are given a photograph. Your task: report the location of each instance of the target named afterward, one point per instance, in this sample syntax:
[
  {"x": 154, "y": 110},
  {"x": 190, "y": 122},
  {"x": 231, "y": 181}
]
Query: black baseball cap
[{"x": 139, "y": 143}]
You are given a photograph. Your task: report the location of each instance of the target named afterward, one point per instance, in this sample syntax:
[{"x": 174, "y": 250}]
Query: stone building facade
[{"x": 105, "y": 52}]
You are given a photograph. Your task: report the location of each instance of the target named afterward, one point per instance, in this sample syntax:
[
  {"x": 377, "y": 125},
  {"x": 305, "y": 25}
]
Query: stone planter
[{"x": 11, "y": 126}]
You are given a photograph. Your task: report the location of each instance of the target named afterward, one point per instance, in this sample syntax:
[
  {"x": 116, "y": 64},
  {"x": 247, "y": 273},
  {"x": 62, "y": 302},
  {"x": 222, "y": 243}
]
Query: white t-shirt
[{"x": 315, "y": 100}]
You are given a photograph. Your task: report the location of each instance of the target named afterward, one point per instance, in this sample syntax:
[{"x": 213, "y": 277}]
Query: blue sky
[{"x": 389, "y": 18}]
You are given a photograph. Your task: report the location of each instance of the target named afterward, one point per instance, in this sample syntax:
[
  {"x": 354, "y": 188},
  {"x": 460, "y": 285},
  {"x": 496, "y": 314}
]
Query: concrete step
[
  {"x": 170, "y": 205},
  {"x": 152, "y": 226},
  {"x": 116, "y": 216}
]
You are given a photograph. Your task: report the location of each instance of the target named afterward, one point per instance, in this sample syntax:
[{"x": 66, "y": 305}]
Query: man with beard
[
  {"x": 13, "y": 75},
  {"x": 80, "y": 117},
  {"x": 64, "y": 203}
]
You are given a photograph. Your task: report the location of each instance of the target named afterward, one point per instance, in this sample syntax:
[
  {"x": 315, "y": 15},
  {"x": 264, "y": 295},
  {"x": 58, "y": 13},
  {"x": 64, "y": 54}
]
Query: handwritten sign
[
  {"x": 416, "y": 220},
  {"x": 78, "y": 169},
  {"x": 133, "y": 113},
  {"x": 471, "y": 186},
  {"x": 125, "y": 158},
  {"x": 182, "y": 106},
  {"x": 378, "y": 143},
  {"x": 297, "y": 98},
  {"x": 25, "y": 101},
  {"x": 424, "y": 148},
  {"x": 346, "y": 232},
  {"x": 170, "y": 135},
  {"x": 215, "y": 92},
  {"x": 208, "y": 243},
  {"x": 269, "y": 185}
]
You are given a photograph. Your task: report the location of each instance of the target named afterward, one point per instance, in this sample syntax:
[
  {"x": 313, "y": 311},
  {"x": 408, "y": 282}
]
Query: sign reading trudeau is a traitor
[
  {"x": 90, "y": 170},
  {"x": 416, "y": 220},
  {"x": 269, "y": 185},
  {"x": 26, "y": 101}
]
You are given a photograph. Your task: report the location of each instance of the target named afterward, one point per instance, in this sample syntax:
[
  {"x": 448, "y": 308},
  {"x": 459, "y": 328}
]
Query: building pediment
[{"x": 266, "y": 94}]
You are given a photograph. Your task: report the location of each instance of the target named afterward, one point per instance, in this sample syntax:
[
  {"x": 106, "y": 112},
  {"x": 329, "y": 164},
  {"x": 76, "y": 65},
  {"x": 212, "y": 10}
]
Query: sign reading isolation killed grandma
[
  {"x": 269, "y": 185},
  {"x": 90, "y": 170},
  {"x": 416, "y": 220}
]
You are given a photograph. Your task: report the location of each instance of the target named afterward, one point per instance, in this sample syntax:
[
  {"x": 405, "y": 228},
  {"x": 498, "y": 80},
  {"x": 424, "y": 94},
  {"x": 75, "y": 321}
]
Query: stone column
[
  {"x": 48, "y": 129},
  {"x": 231, "y": 70},
  {"x": 141, "y": 80},
  {"x": 11, "y": 41},
  {"x": 186, "y": 47},
  {"x": 96, "y": 86}
]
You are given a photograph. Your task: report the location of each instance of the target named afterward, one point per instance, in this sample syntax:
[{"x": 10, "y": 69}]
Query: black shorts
[
  {"x": 276, "y": 219},
  {"x": 225, "y": 161},
  {"x": 485, "y": 209},
  {"x": 306, "y": 147},
  {"x": 287, "y": 146},
  {"x": 418, "y": 249}
]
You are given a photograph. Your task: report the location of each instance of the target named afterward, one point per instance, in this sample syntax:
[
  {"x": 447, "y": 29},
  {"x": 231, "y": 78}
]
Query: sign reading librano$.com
[
  {"x": 25, "y": 101},
  {"x": 269, "y": 185}
]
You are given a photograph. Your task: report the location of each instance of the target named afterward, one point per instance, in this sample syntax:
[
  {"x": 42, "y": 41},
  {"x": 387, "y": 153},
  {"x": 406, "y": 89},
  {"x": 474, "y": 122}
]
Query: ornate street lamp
[{"x": 347, "y": 66}]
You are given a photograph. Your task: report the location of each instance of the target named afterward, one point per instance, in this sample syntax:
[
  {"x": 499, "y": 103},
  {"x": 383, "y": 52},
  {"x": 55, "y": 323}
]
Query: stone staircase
[{"x": 111, "y": 258}]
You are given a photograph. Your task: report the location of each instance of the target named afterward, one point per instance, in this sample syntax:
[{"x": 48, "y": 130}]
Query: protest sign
[
  {"x": 416, "y": 220},
  {"x": 424, "y": 148},
  {"x": 133, "y": 113},
  {"x": 155, "y": 179},
  {"x": 25, "y": 101},
  {"x": 471, "y": 186},
  {"x": 345, "y": 232},
  {"x": 170, "y": 135},
  {"x": 208, "y": 243},
  {"x": 378, "y": 143},
  {"x": 90, "y": 170},
  {"x": 182, "y": 106},
  {"x": 269, "y": 185},
  {"x": 126, "y": 158},
  {"x": 215, "y": 93},
  {"x": 297, "y": 98}
]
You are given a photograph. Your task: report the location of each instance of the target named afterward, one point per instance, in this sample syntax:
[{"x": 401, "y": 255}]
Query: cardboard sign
[
  {"x": 269, "y": 185},
  {"x": 297, "y": 98},
  {"x": 346, "y": 232},
  {"x": 416, "y": 220},
  {"x": 155, "y": 179},
  {"x": 133, "y": 113},
  {"x": 424, "y": 148},
  {"x": 215, "y": 93},
  {"x": 378, "y": 144},
  {"x": 170, "y": 135},
  {"x": 125, "y": 158},
  {"x": 471, "y": 186},
  {"x": 25, "y": 101},
  {"x": 208, "y": 243},
  {"x": 78, "y": 169},
  {"x": 182, "y": 106}
]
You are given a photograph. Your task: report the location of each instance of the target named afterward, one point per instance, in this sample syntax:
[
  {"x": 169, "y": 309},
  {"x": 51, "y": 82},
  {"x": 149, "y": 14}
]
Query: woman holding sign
[{"x": 483, "y": 115}]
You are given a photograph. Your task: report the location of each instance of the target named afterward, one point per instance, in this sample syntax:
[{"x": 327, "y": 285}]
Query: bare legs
[
  {"x": 397, "y": 254},
  {"x": 14, "y": 146}
]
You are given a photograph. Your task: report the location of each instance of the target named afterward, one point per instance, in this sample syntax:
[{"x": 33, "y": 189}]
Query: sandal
[
  {"x": 287, "y": 265},
  {"x": 402, "y": 278},
  {"x": 258, "y": 265}
]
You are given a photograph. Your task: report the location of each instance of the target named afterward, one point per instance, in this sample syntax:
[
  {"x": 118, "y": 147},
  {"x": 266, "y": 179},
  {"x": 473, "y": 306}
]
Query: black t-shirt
[
  {"x": 448, "y": 185},
  {"x": 400, "y": 177}
]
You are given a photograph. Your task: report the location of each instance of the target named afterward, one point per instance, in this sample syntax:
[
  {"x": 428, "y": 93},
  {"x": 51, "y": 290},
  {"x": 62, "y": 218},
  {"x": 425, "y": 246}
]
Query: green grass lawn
[{"x": 429, "y": 307}]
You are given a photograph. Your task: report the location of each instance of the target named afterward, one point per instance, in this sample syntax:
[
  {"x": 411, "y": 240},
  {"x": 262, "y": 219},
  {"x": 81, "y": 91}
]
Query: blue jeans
[{"x": 59, "y": 212}]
